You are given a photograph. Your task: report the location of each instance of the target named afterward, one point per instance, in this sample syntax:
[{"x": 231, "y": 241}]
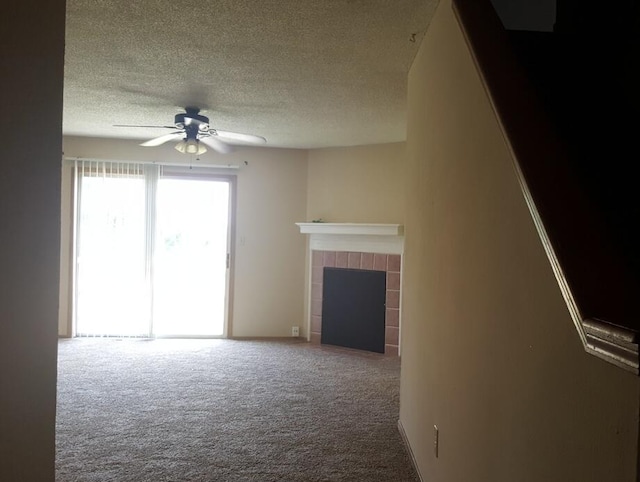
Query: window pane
[
  {"x": 190, "y": 257},
  {"x": 112, "y": 296}
]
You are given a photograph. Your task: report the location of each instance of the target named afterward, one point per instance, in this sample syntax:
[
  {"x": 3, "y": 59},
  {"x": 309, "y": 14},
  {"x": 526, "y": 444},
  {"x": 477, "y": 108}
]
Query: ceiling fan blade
[
  {"x": 239, "y": 137},
  {"x": 216, "y": 144},
  {"x": 146, "y": 127},
  {"x": 156, "y": 141}
]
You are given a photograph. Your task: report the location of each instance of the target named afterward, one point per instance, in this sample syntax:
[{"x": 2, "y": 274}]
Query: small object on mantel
[{"x": 319, "y": 220}]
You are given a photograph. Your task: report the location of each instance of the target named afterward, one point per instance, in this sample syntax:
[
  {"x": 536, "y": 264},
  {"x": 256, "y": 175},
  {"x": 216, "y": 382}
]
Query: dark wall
[
  {"x": 537, "y": 15},
  {"x": 31, "y": 86}
]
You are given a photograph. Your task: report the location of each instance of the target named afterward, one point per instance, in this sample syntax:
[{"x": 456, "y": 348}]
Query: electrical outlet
[
  {"x": 295, "y": 331},
  {"x": 435, "y": 440}
]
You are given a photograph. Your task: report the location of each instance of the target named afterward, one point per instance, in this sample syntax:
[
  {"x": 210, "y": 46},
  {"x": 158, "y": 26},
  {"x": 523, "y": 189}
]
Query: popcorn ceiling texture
[{"x": 303, "y": 74}]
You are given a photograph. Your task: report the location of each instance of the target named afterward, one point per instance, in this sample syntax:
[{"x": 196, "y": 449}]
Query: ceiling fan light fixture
[
  {"x": 190, "y": 128},
  {"x": 190, "y": 146}
]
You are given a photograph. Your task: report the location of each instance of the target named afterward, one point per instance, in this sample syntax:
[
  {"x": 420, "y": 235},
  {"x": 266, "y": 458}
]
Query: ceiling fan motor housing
[
  {"x": 191, "y": 118},
  {"x": 194, "y": 128}
]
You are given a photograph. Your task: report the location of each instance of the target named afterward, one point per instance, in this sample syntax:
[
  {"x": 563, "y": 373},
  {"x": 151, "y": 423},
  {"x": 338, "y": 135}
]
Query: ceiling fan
[{"x": 193, "y": 131}]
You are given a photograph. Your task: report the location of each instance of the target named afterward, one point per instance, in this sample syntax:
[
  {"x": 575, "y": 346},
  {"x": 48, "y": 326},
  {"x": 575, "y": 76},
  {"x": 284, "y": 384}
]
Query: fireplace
[
  {"x": 353, "y": 308},
  {"x": 356, "y": 247}
]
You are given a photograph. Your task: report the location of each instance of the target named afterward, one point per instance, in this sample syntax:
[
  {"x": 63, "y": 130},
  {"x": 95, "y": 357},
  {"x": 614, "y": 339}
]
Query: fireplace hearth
[
  {"x": 388, "y": 265},
  {"x": 356, "y": 247}
]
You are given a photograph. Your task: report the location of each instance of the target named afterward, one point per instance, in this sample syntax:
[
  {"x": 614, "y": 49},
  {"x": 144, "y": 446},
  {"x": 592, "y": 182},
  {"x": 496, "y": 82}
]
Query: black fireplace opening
[{"x": 353, "y": 308}]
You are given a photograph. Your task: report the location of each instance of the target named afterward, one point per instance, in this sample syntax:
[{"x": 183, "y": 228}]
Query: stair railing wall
[{"x": 598, "y": 287}]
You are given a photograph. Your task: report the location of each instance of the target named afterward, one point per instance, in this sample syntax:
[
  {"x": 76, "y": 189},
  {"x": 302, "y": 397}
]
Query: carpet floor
[{"x": 226, "y": 411}]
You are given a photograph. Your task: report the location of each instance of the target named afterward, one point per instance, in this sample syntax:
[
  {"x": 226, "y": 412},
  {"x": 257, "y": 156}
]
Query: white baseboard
[{"x": 409, "y": 450}]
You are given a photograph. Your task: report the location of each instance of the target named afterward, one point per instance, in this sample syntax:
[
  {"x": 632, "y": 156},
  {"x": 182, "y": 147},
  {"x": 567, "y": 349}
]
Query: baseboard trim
[
  {"x": 292, "y": 339},
  {"x": 407, "y": 446}
]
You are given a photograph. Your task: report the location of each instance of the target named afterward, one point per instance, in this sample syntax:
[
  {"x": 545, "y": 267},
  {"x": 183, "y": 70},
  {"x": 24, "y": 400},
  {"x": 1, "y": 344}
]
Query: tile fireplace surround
[{"x": 357, "y": 246}]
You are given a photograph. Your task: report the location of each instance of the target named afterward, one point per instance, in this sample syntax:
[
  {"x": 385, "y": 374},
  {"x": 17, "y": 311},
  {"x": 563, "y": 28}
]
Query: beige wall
[
  {"x": 490, "y": 353},
  {"x": 268, "y": 277},
  {"x": 269, "y": 290},
  {"x": 362, "y": 184},
  {"x": 357, "y": 184},
  {"x": 31, "y": 87}
]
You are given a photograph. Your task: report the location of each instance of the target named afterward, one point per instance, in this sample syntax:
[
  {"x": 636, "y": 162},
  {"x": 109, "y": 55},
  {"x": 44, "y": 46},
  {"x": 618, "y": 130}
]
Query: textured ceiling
[{"x": 301, "y": 73}]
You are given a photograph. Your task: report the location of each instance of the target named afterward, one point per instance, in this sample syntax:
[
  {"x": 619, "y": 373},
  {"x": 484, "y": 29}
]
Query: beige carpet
[{"x": 226, "y": 410}]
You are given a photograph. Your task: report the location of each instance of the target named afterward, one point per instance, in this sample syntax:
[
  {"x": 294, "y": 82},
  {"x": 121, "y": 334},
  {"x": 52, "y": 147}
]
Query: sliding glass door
[
  {"x": 151, "y": 251},
  {"x": 111, "y": 291},
  {"x": 189, "y": 276}
]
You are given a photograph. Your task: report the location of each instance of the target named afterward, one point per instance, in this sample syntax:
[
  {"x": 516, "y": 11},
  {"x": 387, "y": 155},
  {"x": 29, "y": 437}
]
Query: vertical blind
[
  {"x": 112, "y": 251},
  {"x": 120, "y": 209}
]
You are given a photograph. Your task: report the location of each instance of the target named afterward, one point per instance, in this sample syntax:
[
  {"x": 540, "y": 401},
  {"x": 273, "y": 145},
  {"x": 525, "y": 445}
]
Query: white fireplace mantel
[{"x": 357, "y": 237}]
